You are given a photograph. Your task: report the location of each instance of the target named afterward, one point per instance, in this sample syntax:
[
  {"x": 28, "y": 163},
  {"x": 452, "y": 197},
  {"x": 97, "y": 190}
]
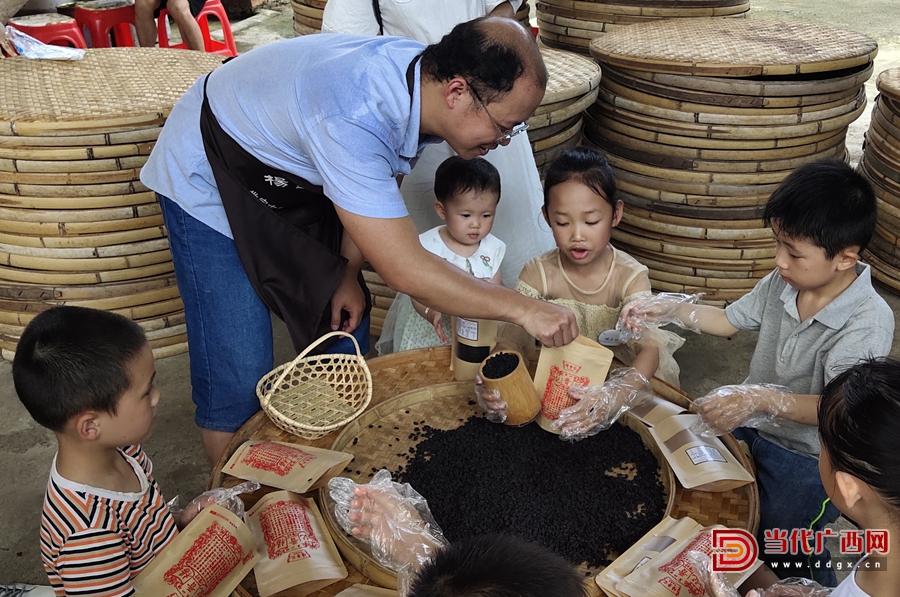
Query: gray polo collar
[{"x": 836, "y": 313}]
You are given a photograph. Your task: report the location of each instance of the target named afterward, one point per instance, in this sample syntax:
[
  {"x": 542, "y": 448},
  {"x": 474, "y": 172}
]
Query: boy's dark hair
[
  {"x": 826, "y": 202},
  {"x": 456, "y": 175},
  {"x": 497, "y": 566},
  {"x": 491, "y": 65},
  {"x": 72, "y": 359},
  {"x": 859, "y": 415},
  {"x": 586, "y": 165}
]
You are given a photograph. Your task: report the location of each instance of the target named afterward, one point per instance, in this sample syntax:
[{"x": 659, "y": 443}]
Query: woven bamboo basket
[{"x": 316, "y": 394}]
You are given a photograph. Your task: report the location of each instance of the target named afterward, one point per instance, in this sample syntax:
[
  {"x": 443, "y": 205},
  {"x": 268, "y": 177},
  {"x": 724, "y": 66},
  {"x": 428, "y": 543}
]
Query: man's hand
[
  {"x": 551, "y": 324},
  {"x": 348, "y": 297}
]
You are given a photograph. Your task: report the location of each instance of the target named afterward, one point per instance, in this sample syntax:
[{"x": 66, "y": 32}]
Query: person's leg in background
[
  {"x": 145, "y": 21},
  {"x": 791, "y": 497},
  {"x": 187, "y": 24},
  {"x": 229, "y": 328}
]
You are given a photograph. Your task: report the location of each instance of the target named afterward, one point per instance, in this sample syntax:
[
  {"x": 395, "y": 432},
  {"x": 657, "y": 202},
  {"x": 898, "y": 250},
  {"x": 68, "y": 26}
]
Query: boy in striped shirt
[{"x": 88, "y": 376}]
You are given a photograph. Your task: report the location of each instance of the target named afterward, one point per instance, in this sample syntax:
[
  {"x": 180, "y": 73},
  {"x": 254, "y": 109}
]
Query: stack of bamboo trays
[
  {"x": 382, "y": 297},
  {"x": 881, "y": 165},
  {"x": 76, "y": 225},
  {"x": 702, "y": 119},
  {"x": 573, "y": 24},
  {"x": 557, "y": 123},
  {"x": 308, "y": 15}
]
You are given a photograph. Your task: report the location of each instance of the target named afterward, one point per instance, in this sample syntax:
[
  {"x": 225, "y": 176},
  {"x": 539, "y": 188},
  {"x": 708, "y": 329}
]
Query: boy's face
[
  {"x": 804, "y": 265},
  {"x": 469, "y": 216},
  {"x": 137, "y": 406}
]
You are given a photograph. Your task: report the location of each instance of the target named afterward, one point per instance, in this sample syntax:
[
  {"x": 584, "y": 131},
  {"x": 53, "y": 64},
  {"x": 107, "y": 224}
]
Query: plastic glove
[
  {"x": 659, "y": 310},
  {"x": 227, "y": 498},
  {"x": 714, "y": 583},
  {"x": 749, "y": 405},
  {"x": 600, "y": 406},
  {"x": 393, "y": 519},
  {"x": 792, "y": 587},
  {"x": 490, "y": 401}
]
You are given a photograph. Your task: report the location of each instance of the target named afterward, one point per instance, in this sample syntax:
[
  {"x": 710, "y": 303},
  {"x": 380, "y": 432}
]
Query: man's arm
[{"x": 392, "y": 246}]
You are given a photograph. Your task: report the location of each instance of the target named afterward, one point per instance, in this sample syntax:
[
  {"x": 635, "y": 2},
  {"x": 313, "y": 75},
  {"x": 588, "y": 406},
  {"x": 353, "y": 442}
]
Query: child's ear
[
  {"x": 87, "y": 425},
  {"x": 440, "y": 210},
  {"x": 849, "y": 487},
  {"x": 617, "y": 213},
  {"x": 847, "y": 258}
]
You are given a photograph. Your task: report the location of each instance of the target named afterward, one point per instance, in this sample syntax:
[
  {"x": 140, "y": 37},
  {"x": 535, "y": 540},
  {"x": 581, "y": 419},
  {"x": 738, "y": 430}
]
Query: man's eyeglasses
[{"x": 506, "y": 135}]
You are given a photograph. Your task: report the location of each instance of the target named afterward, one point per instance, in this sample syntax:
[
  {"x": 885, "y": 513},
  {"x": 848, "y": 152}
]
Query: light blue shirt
[{"x": 332, "y": 109}]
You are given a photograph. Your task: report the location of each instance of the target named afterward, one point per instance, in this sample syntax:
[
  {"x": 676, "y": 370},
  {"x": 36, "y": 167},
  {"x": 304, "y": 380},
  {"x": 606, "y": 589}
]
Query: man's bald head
[{"x": 491, "y": 53}]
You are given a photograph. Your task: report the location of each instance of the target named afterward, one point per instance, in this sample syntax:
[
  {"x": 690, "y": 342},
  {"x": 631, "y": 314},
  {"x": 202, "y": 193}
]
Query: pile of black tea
[
  {"x": 500, "y": 365},
  {"x": 587, "y": 501}
]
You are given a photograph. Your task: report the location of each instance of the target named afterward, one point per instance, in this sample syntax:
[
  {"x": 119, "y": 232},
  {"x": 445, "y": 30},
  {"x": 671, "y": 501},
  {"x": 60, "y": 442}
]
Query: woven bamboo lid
[
  {"x": 570, "y": 75},
  {"x": 50, "y": 18},
  {"x": 889, "y": 83},
  {"x": 110, "y": 87},
  {"x": 733, "y": 47}
]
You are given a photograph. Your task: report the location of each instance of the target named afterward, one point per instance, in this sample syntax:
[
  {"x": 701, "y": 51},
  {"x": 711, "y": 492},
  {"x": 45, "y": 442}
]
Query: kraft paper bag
[
  {"x": 654, "y": 410},
  {"x": 699, "y": 462},
  {"x": 209, "y": 558},
  {"x": 286, "y": 466},
  {"x": 297, "y": 551},
  {"x": 583, "y": 362}
]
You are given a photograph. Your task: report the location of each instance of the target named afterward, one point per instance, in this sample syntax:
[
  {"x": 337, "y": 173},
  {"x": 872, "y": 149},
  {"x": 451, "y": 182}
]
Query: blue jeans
[
  {"x": 229, "y": 328},
  {"x": 791, "y": 496}
]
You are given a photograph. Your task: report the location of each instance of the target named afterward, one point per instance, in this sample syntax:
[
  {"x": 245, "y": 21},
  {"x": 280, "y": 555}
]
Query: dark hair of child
[
  {"x": 585, "y": 165},
  {"x": 72, "y": 359},
  {"x": 859, "y": 415},
  {"x": 827, "y": 203},
  {"x": 456, "y": 176},
  {"x": 497, "y": 566}
]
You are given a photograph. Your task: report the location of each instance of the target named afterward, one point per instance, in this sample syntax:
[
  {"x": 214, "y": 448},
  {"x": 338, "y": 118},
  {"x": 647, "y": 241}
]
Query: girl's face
[
  {"x": 469, "y": 216},
  {"x": 581, "y": 221}
]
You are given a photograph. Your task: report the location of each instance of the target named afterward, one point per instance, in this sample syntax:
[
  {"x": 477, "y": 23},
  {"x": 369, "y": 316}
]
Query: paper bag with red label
[
  {"x": 583, "y": 362},
  {"x": 209, "y": 558},
  {"x": 699, "y": 462},
  {"x": 286, "y": 466},
  {"x": 296, "y": 550},
  {"x": 670, "y": 572}
]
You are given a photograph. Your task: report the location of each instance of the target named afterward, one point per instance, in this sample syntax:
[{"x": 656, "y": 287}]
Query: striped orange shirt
[{"x": 94, "y": 541}]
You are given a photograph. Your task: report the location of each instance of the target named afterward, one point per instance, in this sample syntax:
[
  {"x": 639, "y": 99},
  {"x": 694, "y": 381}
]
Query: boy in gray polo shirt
[{"x": 817, "y": 314}]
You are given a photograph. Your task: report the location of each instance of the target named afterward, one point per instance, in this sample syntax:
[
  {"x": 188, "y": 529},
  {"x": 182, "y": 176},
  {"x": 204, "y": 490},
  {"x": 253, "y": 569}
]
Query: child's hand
[
  {"x": 600, "y": 406},
  {"x": 728, "y": 407},
  {"x": 436, "y": 319},
  {"x": 392, "y": 518},
  {"x": 227, "y": 498},
  {"x": 659, "y": 310},
  {"x": 490, "y": 401}
]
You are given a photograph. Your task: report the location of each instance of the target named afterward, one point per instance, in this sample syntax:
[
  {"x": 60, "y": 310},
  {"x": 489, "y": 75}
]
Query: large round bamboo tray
[
  {"x": 572, "y": 25},
  {"x": 307, "y": 16},
  {"x": 734, "y": 48},
  {"x": 404, "y": 371},
  {"x": 880, "y": 163},
  {"x": 76, "y": 225},
  {"x": 443, "y": 406},
  {"x": 572, "y": 87}
]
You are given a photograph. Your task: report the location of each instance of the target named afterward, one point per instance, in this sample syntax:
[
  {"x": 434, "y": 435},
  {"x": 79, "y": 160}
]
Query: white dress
[
  {"x": 518, "y": 219},
  {"x": 404, "y": 329}
]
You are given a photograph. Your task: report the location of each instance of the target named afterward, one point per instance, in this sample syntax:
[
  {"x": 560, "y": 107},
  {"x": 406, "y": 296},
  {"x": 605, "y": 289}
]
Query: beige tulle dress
[{"x": 596, "y": 309}]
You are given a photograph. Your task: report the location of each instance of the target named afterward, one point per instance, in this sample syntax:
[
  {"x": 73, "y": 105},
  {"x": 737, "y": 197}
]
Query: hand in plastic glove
[
  {"x": 659, "y": 310},
  {"x": 392, "y": 518},
  {"x": 792, "y": 587},
  {"x": 227, "y": 498},
  {"x": 598, "y": 407},
  {"x": 490, "y": 401},
  {"x": 749, "y": 405},
  {"x": 716, "y": 585}
]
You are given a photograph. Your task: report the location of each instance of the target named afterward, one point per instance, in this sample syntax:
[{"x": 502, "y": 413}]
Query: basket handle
[{"x": 306, "y": 351}]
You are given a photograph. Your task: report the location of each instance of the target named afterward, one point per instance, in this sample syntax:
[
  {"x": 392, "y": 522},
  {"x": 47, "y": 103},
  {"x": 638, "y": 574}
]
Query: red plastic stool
[
  {"x": 108, "y": 22},
  {"x": 51, "y": 28},
  {"x": 212, "y": 8}
]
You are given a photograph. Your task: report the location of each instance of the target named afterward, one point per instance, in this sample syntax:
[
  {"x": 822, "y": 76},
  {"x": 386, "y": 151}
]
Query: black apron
[{"x": 287, "y": 233}]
